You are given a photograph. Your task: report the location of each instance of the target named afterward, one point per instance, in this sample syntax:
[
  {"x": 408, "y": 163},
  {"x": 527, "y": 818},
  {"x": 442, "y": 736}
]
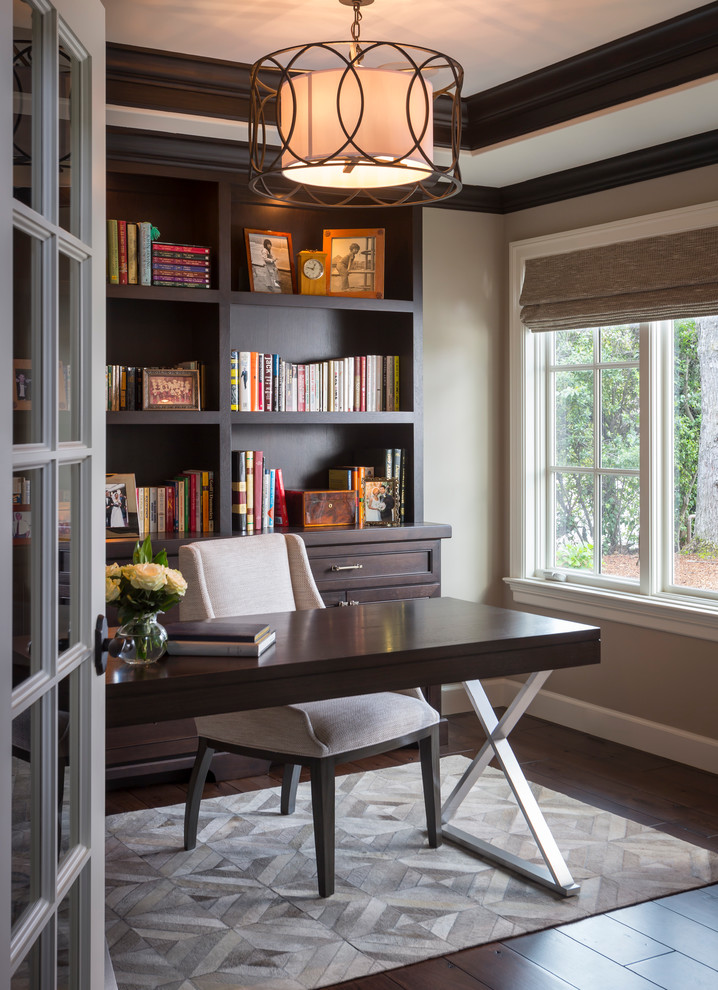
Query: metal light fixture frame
[{"x": 267, "y": 168}]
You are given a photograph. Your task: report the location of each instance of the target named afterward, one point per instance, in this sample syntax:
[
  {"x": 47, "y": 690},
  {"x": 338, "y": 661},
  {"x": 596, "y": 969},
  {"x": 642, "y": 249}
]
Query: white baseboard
[{"x": 629, "y": 730}]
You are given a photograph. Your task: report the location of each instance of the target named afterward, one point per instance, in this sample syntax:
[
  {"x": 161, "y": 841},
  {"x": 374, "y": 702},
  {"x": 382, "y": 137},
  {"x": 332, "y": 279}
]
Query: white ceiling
[{"x": 495, "y": 41}]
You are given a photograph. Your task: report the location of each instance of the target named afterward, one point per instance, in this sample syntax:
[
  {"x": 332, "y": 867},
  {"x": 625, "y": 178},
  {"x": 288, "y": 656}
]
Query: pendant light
[{"x": 352, "y": 124}]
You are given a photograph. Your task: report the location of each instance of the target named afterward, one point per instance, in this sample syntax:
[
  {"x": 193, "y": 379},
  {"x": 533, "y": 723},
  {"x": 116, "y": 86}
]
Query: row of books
[
  {"x": 184, "y": 504},
  {"x": 136, "y": 256},
  {"x": 259, "y": 502},
  {"x": 267, "y": 383},
  {"x": 124, "y": 385},
  {"x": 20, "y": 490}
]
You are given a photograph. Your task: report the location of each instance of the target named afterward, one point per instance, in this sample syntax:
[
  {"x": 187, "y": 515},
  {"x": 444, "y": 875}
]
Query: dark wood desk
[{"x": 334, "y": 652}]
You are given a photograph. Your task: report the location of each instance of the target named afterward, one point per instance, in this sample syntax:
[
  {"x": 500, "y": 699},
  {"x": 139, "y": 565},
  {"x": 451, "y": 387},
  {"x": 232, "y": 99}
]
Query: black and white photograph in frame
[{"x": 270, "y": 261}]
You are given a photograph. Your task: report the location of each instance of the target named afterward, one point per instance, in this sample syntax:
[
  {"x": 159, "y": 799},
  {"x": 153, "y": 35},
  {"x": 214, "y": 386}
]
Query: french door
[{"x": 51, "y": 475}]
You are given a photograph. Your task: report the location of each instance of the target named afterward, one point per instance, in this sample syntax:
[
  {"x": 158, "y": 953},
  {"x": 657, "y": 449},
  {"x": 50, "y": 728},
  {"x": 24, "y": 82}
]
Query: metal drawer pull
[{"x": 347, "y": 567}]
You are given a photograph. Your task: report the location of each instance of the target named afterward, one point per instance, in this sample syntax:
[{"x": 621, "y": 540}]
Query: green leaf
[
  {"x": 161, "y": 558},
  {"x": 143, "y": 552}
]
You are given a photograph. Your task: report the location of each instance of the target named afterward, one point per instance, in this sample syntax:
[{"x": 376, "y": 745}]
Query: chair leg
[
  {"x": 322, "y": 778},
  {"x": 429, "y": 754},
  {"x": 194, "y": 792},
  {"x": 290, "y": 781}
]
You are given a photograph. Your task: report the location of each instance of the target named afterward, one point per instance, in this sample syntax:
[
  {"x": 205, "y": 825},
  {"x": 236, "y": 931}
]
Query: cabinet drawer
[
  {"x": 397, "y": 593},
  {"x": 374, "y": 566}
]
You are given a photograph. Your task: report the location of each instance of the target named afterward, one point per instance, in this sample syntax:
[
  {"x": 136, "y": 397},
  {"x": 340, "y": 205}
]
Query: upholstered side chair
[{"x": 271, "y": 573}]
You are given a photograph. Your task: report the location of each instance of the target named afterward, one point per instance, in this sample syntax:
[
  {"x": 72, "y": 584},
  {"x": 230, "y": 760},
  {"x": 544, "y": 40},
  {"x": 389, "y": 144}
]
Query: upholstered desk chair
[{"x": 269, "y": 573}]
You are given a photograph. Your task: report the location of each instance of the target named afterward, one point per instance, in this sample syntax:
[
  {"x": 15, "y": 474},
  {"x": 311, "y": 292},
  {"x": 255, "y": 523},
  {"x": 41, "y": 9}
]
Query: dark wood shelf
[
  {"x": 161, "y": 293},
  {"x": 322, "y": 302},
  {"x": 305, "y": 418},
  {"x": 173, "y": 417}
]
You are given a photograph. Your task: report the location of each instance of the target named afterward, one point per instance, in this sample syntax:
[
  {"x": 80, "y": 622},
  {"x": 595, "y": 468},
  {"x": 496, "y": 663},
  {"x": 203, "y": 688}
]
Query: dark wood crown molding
[
  {"x": 668, "y": 54},
  {"x": 189, "y": 151},
  {"x": 696, "y": 151}
]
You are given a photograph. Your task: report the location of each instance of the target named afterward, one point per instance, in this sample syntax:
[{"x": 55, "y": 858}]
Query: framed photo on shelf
[
  {"x": 356, "y": 262},
  {"x": 381, "y": 501},
  {"x": 22, "y": 384},
  {"x": 170, "y": 388},
  {"x": 121, "y": 505},
  {"x": 270, "y": 261}
]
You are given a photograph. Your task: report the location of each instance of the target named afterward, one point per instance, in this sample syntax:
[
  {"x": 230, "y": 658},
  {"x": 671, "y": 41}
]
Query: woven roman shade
[{"x": 654, "y": 278}]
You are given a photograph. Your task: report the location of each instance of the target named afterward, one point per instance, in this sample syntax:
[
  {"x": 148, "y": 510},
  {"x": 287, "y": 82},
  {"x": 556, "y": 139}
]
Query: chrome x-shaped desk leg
[{"x": 556, "y": 874}]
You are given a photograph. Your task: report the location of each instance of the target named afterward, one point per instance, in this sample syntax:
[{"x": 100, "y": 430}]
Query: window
[{"x": 615, "y": 451}]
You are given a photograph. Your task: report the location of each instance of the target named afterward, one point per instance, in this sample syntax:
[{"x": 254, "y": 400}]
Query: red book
[
  {"x": 301, "y": 387},
  {"x": 170, "y": 509},
  {"x": 268, "y": 382},
  {"x": 169, "y": 247},
  {"x": 280, "y": 500},
  {"x": 122, "y": 250},
  {"x": 258, "y": 489}
]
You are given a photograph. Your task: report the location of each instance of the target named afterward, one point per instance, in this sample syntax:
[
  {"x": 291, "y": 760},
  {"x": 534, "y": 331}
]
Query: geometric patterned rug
[{"x": 242, "y": 909}]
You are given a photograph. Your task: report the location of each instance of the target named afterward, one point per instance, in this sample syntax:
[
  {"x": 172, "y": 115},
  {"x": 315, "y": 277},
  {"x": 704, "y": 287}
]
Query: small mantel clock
[{"x": 313, "y": 273}]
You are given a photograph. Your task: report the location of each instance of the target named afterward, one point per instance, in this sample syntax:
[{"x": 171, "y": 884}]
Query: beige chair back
[{"x": 244, "y": 575}]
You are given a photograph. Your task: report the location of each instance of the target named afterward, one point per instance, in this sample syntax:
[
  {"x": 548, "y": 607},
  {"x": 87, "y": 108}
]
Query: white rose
[
  {"x": 112, "y": 590},
  {"x": 176, "y": 584},
  {"x": 148, "y": 577}
]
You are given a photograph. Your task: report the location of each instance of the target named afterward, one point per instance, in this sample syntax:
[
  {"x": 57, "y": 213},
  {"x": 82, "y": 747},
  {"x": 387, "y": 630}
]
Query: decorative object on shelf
[
  {"x": 313, "y": 273},
  {"x": 269, "y": 258},
  {"x": 356, "y": 263},
  {"x": 322, "y": 508},
  {"x": 355, "y": 122},
  {"x": 170, "y": 388},
  {"x": 140, "y": 591},
  {"x": 381, "y": 501},
  {"x": 121, "y": 505},
  {"x": 22, "y": 377},
  {"x": 180, "y": 265}
]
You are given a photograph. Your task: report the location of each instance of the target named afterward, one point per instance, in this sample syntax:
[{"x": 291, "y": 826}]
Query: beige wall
[{"x": 668, "y": 680}]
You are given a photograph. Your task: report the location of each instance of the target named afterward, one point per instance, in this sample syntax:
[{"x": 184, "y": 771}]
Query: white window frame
[{"x": 652, "y": 603}]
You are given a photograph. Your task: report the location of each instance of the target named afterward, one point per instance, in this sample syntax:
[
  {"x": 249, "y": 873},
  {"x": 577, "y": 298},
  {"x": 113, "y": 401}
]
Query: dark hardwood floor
[{"x": 671, "y": 943}]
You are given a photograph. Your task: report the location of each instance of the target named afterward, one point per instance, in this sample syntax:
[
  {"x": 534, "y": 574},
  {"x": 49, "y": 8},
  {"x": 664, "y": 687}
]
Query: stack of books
[
  {"x": 259, "y": 503},
  {"x": 267, "y": 383},
  {"x": 185, "y": 265},
  {"x": 223, "y": 637}
]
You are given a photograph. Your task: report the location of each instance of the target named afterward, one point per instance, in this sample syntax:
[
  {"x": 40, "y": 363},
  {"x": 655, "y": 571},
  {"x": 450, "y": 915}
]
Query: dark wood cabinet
[{"x": 153, "y": 326}]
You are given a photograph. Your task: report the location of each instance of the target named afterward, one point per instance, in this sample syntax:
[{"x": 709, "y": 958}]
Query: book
[
  {"x": 239, "y": 492},
  {"x": 245, "y": 394},
  {"x": 234, "y": 381},
  {"x": 168, "y": 247},
  {"x": 280, "y": 500},
  {"x": 258, "y": 489},
  {"x": 144, "y": 252},
  {"x": 249, "y": 458},
  {"x": 122, "y": 250},
  {"x": 132, "y": 253},
  {"x": 225, "y": 629},
  {"x": 219, "y": 649},
  {"x": 113, "y": 259}
]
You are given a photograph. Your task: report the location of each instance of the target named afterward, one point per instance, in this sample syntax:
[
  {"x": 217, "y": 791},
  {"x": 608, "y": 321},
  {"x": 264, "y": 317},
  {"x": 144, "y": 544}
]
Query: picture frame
[
  {"x": 121, "y": 505},
  {"x": 22, "y": 383},
  {"x": 355, "y": 262},
  {"x": 381, "y": 501},
  {"x": 170, "y": 389},
  {"x": 270, "y": 261}
]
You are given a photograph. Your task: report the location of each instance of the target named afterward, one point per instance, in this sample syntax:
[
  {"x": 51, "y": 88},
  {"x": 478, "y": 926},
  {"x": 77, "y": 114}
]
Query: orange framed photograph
[
  {"x": 270, "y": 261},
  {"x": 381, "y": 502},
  {"x": 356, "y": 262},
  {"x": 170, "y": 388},
  {"x": 22, "y": 384}
]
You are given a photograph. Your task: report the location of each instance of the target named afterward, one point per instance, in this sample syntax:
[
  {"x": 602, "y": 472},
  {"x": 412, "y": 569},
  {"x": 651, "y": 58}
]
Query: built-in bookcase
[{"x": 155, "y": 326}]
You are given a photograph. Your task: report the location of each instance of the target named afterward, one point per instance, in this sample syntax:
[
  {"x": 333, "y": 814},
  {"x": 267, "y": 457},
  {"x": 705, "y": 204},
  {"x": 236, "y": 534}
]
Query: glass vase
[{"x": 143, "y": 639}]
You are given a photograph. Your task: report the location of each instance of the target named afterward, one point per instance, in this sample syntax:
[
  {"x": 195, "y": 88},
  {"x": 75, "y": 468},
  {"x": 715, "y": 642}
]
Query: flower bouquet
[{"x": 140, "y": 591}]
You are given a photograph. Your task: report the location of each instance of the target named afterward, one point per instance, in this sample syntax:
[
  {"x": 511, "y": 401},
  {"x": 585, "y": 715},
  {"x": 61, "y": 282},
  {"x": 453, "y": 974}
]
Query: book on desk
[{"x": 226, "y": 636}]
